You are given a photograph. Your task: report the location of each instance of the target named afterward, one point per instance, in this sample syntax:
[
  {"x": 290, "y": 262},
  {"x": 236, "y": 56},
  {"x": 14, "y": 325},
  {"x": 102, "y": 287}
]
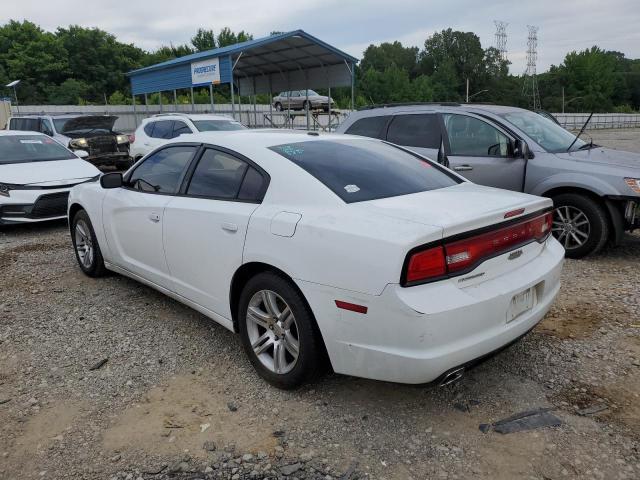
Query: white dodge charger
[{"x": 314, "y": 247}]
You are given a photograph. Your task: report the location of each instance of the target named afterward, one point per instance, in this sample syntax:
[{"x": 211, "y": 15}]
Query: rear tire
[
  {"x": 86, "y": 246},
  {"x": 279, "y": 333},
  {"x": 580, "y": 224}
]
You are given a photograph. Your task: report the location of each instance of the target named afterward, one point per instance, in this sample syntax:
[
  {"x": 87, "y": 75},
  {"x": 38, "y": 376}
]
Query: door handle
[
  {"x": 463, "y": 168},
  {"x": 147, "y": 144},
  {"x": 154, "y": 217},
  {"x": 230, "y": 227}
]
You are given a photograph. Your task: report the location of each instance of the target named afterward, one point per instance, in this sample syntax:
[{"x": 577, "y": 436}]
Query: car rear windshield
[
  {"x": 31, "y": 148},
  {"x": 217, "y": 125},
  {"x": 364, "y": 170}
]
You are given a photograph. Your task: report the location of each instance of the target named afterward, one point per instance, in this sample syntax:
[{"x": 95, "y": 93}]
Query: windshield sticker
[
  {"x": 290, "y": 150},
  {"x": 31, "y": 141},
  {"x": 352, "y": 188}
]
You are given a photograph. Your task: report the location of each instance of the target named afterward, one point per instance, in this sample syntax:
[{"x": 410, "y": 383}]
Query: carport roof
[{"x": 283, "y": 52}]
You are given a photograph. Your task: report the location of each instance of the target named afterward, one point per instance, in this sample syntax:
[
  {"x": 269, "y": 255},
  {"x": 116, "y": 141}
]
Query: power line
[{"x": 530, "y": 88}]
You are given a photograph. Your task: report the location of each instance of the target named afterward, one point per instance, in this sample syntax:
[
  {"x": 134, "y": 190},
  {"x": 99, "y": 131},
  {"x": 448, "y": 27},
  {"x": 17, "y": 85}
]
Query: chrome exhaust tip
[{"x": 452, "y": 377}]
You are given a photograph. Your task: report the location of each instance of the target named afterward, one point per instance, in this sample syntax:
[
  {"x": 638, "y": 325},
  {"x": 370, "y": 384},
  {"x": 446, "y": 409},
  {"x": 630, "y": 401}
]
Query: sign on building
[{"x": 205, "y": 71}]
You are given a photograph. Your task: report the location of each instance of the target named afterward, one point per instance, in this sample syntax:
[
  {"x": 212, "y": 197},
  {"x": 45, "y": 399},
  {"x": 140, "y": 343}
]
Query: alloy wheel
[
  {"x": 571, "y": 227},
  {"x": 84, "y": 244},
  {"x": 273, "y": 331}
]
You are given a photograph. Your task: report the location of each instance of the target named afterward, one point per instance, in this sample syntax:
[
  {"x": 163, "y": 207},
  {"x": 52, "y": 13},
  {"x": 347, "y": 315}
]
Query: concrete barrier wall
[{"x": 259, "y": 117}]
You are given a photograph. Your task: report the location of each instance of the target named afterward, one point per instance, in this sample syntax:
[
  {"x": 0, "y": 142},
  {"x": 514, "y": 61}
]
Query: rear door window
[
  {"x": 218, "y": 175},
  {"x": 360, "y": 170},
  {"x": 163, "y": 129},
  {"x": 419, "y": 130},
  {"x": 373, "y": 127}
]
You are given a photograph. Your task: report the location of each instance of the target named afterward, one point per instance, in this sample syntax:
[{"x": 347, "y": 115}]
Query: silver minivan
[{"x": 596, "y": 190}]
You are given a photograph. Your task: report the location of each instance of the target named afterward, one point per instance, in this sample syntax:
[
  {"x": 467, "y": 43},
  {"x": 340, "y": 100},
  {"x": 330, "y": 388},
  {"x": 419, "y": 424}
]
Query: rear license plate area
[{"x": 521, "y": 303}]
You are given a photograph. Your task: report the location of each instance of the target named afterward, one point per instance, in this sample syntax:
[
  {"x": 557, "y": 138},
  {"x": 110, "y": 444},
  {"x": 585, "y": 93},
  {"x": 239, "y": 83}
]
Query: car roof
[
  {"x": 11, "y": 133},
  {"x": 436, "y": 107}
]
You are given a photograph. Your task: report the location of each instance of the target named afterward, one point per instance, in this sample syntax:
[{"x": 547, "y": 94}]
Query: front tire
[
  {"x": 278, "y": 107},
  {"x": 278, "y": 332},
  {"x": 580, "y": 224},
  {"x": 86, "y": 246}
]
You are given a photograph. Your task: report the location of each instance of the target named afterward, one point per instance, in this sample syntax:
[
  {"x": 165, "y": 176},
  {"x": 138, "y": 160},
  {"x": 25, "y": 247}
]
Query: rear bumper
[{"x": 417, "y": 334}]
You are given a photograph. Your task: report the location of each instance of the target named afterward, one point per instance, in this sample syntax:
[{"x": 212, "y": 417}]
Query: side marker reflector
[{"x": 351, "y": 306}]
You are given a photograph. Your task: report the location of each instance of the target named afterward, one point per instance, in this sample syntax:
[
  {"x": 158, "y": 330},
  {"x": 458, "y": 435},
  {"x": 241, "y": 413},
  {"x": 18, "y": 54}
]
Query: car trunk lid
[{"x": 458, "y": 209}]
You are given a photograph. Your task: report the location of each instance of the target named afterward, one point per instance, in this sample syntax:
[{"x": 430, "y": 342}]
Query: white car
[
  {"x": 310, "y": 247},
  {"x": 36, "y": 173},
  {"x": 157, "y": 130}
]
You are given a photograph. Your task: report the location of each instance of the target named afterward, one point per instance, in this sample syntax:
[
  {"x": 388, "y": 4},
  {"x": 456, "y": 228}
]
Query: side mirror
[
  {"x": 521, "y": 149},
  {"x": 111, "y": 180},
  {"x": 81, "y": 153}
]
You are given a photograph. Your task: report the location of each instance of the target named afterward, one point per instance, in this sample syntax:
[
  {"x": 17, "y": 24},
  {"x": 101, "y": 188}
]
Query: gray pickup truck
[{"x": 596, "y": 190}]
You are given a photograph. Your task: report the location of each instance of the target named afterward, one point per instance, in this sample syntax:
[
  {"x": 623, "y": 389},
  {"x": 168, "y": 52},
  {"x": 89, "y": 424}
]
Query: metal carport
[{"x": 281, "y": 62}]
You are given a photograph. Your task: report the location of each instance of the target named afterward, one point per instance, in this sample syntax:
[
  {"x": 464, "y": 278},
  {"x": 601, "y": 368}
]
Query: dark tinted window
[
  {"x": 469, "y": 136},
  {"x": 162, "y": 171},
  {"x": 179, "y": 128},
  {"x": 365, "y": 169},
  {"x": 148, "y": 128},
  {"x": 163, "y": 129},
  {"x": 31, "y": 148},
  {"x": 421, "y": 130},
  {"x": 217, "y": 175},
  {"x": 369, "y": 127},
  {"x": 27, "y": 124},
  {"x": 252, "y": 186}
]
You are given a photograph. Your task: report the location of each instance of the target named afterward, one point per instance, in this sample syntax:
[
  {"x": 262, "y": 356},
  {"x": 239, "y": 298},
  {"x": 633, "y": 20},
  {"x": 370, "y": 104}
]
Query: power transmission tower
[
  {"x": 530, "y": 88},
  {"x": 501, "y": 38}
]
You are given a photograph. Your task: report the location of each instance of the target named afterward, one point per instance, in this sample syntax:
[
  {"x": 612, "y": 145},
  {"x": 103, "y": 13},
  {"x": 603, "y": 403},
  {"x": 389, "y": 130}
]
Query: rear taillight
[
  {"x": 461, "y": 256},
  {"x": 426, "y": 264},
  {"x": 132, "y": 137}
]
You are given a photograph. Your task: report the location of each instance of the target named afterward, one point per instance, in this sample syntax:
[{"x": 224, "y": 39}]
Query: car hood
[
  {"x": 605, "y": 156},
  {"x": 47, "y": 173},
  {"x": 456, "y": 209},
  {"x": 85, "y": 122}
]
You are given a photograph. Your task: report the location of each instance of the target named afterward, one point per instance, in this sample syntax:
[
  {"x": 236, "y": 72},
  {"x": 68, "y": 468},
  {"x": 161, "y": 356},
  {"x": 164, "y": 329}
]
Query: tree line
[{"x": 78, "y": 65}]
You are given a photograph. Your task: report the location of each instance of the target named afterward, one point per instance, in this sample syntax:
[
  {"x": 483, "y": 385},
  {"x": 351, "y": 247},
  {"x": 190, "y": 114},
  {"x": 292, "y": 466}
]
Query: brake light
[
  {"x": 461, "y": 256},
  {"x": 426, "y": 264}
]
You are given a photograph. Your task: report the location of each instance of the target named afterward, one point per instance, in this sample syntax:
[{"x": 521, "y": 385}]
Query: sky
[{"x": 564, "y": 25}]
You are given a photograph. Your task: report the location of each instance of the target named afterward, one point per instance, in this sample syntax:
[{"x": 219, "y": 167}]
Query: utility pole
[
  {"x": 562, "y": 99},
  {"x": 501, "y": 38},
  {"x": 530, "y": 87},
  {"x": 467, "y": 90}
]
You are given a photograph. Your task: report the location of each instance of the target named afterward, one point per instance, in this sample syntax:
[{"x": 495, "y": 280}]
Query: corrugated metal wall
[{"x": 173, "y": 78}]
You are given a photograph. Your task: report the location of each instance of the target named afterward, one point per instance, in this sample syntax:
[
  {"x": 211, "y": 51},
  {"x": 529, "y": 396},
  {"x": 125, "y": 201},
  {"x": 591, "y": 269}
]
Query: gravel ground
[{"x": 176, "y": 397}]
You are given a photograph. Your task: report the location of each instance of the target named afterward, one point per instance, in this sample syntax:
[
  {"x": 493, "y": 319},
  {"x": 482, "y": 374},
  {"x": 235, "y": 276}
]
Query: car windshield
[
  {"x": 311, "y": 93},
  {"x": 549, "y": 135},
  {"x": 217, "y": 125},
  {"x": 31, "y": 148},
  {"x": 60, "y": 123},
  {"x": 364, "y": 170}
]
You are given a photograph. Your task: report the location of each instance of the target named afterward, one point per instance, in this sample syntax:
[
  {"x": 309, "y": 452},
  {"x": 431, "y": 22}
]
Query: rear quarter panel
[{"x": 336, "y": 247}]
